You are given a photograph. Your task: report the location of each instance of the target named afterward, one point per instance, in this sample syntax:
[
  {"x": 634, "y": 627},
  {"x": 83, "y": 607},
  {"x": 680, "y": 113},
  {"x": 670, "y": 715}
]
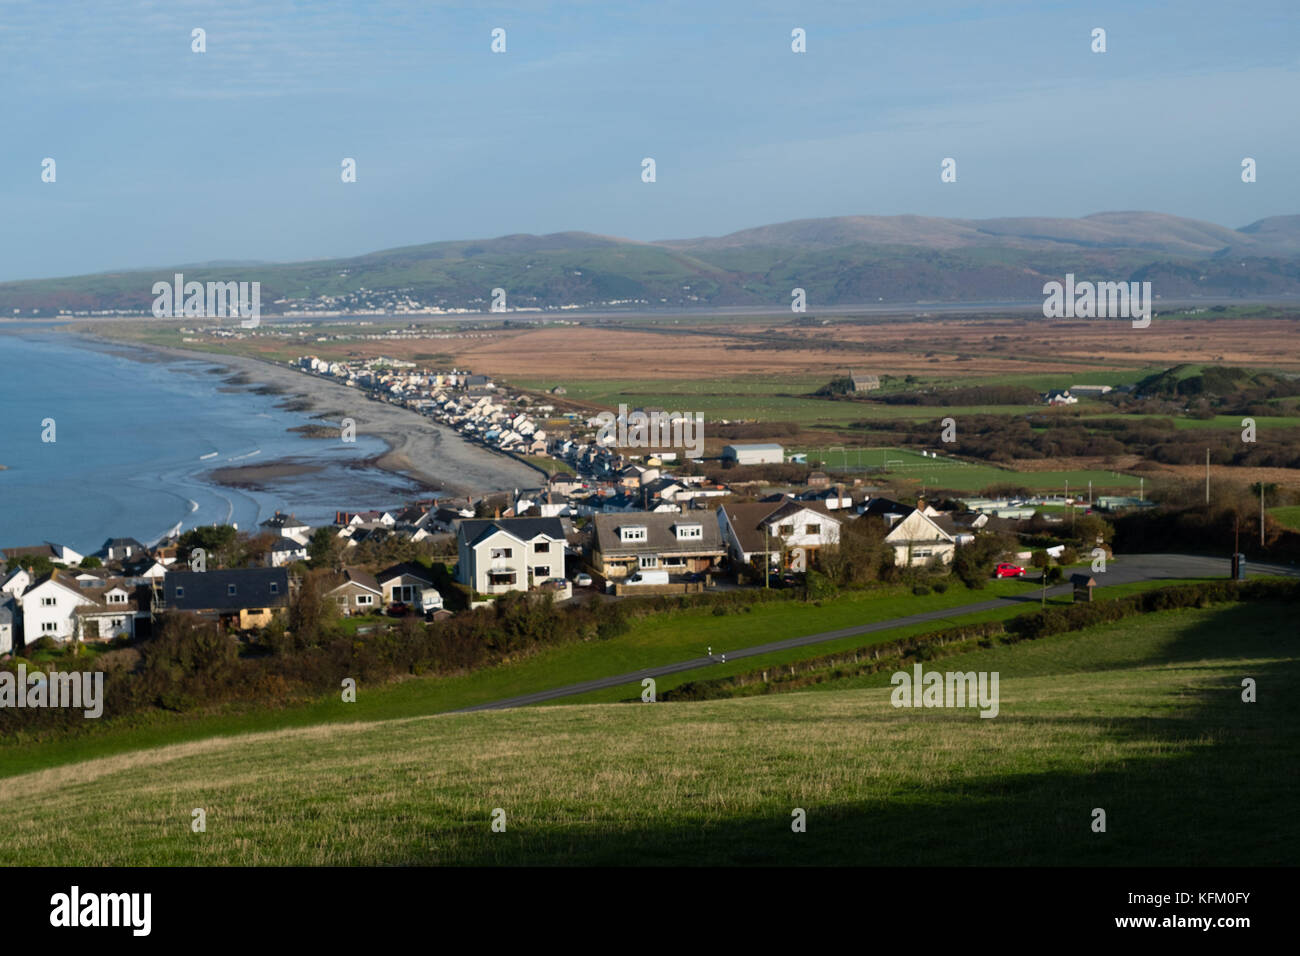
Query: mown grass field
[
  {"x": 1143, "y": 719},
  {"x": 952, "y": 473}
]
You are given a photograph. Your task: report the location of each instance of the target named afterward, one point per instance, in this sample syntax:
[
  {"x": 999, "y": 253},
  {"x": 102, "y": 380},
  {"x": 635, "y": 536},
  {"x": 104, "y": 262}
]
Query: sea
[{"x": 136, "y": 440}]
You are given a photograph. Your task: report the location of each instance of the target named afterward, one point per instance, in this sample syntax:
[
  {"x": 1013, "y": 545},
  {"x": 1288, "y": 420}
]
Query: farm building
[
  {"x": 863, "y": 382},
  {"x": 772, "y": 454}
]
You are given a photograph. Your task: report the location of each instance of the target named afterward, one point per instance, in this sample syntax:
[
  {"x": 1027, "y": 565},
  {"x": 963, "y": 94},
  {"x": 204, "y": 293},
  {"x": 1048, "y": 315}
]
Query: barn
[{"x": 772, "y": 454}]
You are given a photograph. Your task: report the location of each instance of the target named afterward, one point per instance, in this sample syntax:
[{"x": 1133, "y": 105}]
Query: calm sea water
[{"x": 136, "y": 442}]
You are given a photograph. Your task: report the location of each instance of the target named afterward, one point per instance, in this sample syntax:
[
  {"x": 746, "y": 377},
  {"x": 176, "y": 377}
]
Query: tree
[
  {"x": 324, "y": 549},
  {"x": 218, "y": 542},
  {"x": 37, "y": 565},
  {"x": 90, "y": 561}
]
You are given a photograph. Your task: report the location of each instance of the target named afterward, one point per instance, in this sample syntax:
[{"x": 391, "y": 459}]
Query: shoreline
[{"x": 418, "y": 448}]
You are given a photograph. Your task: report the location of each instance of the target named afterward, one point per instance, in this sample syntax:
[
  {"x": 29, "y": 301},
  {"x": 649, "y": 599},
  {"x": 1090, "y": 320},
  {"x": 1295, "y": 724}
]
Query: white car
[{"x": 582, "y": 580}]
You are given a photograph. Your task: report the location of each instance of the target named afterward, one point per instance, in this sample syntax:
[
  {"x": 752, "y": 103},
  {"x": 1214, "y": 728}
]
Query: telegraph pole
[
  {"x": 1207, "y": 476},
  {"x": 1261, "y": 512}
]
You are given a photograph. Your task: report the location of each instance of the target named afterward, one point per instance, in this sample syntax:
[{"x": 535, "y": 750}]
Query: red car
[{"x": 1008, "y": 571}]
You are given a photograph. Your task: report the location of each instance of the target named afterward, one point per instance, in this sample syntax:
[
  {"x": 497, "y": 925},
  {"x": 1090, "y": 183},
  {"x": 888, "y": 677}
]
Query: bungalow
[
  {"x": 354, "y": 591},
  {"x": 55, "y": 553},
  {"x": 1060, "y": 397},
  {"x": 778, "y": 529},
  {"x": 246, "y": 598},
  {"x": 626, "y": 543},
  {"x": 509, "y": 554},
  {"x": 409, "y": 583}
]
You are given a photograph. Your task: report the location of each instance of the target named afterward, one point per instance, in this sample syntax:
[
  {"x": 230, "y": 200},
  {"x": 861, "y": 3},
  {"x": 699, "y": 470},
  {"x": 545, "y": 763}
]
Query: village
[{"x": 617, "y": 529}]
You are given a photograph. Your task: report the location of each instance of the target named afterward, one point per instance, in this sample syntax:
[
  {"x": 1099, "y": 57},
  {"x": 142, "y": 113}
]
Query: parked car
[
  {"x": 582, "y": 580},
  {"x": 693, "y": 576},
  {"x": 398, "y": 609},
  {"x": 1008, "y": 571}
]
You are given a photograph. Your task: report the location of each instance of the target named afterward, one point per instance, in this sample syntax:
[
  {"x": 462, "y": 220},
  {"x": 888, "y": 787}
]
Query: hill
[
  {"x": 849, "y": 260},
  {"x": 1142, "y": 718}
]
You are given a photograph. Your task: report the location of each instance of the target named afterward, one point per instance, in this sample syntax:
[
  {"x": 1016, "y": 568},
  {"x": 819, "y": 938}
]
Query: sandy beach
[{"x": 418, "y": 447}]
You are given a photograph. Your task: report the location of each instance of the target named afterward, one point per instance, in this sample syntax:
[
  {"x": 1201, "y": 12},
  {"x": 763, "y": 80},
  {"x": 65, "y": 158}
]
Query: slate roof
[
  {"x": 405, "y": 568},
  {"x": 660, "y": 535},
  {"x": 352, "y": 576},
  {"x": 209, "y": 590},
  {"x": 472, "y": 530}
]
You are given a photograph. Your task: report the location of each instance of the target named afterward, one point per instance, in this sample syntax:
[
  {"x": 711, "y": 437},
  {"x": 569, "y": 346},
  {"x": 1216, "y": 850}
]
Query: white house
[
  {"x": 49, "y": 609},
  {"x": 918, "y": 537},
  {"x": 778, "y": 529},
  {"x": 6, "y": 627},
  {"x": 286, "y": 550},
  {"x": 509, "y": 554},
  {"x": 17, "y": 582},
  {"x": 288, "y": 526}
]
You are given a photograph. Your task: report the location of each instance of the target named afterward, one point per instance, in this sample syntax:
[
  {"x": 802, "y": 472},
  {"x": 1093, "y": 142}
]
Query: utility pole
[
  {"x": 1089, "y": 492},
  {"x": 1261, "y": 512},
  {"x": 767, "y": 560},
  {"x": 1207, "y": 477}
]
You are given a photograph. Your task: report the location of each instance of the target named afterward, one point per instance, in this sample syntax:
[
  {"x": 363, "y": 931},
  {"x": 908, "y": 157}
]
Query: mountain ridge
[{"x": 843, "y": 260}]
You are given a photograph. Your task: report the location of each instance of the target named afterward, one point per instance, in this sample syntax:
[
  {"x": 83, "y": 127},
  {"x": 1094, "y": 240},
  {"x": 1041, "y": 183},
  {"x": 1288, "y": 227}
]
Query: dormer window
[
  {"x": 689, "y": 532},
  {"x": 632, "y": 533},
  {"x": 230, "y": 590}
]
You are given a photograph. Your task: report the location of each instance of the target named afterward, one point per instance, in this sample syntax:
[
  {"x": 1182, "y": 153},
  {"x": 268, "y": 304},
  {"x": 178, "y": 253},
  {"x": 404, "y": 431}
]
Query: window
[
  {"x": 542, "y": 547},
  {"x": 275, "y": 588},
  {"x": 541, "y": 571},
  {"x": 49, "y": 627},
  {"x": 117, "y": 622},
  {"x": 117, "y": 599},
  {"x": 365, "y": 600},
  {"x": 648, "y": 561},
  {"x": 48, "y": 602},
  {"x": 635, "y": 533},
  {"x": 689, "y": 531},
  {"x": 502, "y": 553},
  {"x": 785, "y": 529},
  {"x": 342, "y": 600},
  {"x": 180, "y": 591},
  {"x": 813, "y": 529},
  {"x": 230, "y": 590}
]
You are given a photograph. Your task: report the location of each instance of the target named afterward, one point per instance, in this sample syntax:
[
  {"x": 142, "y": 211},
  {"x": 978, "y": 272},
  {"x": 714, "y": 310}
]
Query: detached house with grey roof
[
  {"x": 643, "y": 541},
  {"x": 509, "y": 554}
]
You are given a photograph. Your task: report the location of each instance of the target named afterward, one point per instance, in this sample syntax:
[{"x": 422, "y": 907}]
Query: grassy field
[
  {"x": 910, "y": 466},
  {"x": 1288, "y": 516},
  {"x": 1143, "y": 719},
  {"x": 662, "y": 639}
]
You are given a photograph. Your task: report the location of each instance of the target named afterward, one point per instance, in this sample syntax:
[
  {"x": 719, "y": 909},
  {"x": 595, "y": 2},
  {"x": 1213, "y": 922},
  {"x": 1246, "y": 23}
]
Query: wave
[
  {"x": 242, "y": 457},
  {"x": 211, "y": 454}
]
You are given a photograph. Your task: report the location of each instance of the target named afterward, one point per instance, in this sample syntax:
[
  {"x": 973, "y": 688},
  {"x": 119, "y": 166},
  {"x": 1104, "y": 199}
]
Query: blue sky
[{"x": 165, "y": 156}]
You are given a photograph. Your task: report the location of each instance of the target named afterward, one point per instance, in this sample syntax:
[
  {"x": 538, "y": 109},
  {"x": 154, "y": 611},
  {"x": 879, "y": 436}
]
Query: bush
[{"x": 920, "y": 589}]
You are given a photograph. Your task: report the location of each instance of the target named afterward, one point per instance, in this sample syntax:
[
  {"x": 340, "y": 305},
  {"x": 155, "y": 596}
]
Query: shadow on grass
[{"x": 1219, "y": 791}]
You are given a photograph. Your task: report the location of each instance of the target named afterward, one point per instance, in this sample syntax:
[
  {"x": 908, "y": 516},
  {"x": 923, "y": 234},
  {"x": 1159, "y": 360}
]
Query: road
[{"x": 1124, "y": 569}]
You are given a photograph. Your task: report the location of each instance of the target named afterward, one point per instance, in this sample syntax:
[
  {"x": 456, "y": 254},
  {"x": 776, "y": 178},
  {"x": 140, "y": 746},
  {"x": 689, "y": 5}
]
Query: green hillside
[
  {"x": 837, "y": 261},
  {"x": 1142, "y": 719}
]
